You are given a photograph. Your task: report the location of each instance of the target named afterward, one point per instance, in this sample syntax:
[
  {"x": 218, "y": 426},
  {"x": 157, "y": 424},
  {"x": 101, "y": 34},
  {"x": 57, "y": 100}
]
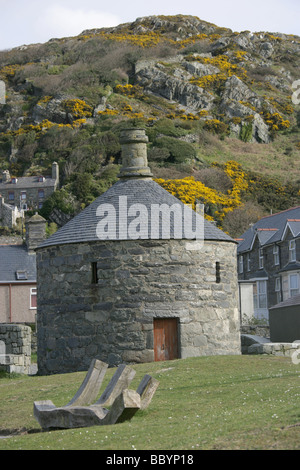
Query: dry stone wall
[{"x": 15, "y": 353}]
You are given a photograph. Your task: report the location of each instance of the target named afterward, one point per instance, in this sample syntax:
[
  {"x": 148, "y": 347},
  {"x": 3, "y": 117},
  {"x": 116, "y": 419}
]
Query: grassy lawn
[{"x": 216, "y": 402}]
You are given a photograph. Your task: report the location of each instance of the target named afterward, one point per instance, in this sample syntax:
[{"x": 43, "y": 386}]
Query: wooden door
[{"x": 165, "y": 332}]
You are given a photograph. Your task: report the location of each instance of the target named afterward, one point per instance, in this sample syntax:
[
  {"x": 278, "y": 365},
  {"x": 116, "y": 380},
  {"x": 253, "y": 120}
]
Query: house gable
[{"x": 278, "y": 238}]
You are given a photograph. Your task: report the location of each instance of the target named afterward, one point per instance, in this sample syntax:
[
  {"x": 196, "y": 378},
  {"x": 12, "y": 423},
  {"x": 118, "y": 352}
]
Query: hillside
[{"x": 205, "y": 94}]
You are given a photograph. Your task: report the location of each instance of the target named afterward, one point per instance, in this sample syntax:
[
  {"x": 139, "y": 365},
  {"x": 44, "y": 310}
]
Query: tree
[{"x": 240, "y": 219}]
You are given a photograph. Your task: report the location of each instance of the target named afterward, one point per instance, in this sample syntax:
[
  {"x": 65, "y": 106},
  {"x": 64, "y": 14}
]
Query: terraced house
[
  {"x": 18, "y": 290},
  {"x": 269, "y": 261},
  {"x": 28, "y": 191}
]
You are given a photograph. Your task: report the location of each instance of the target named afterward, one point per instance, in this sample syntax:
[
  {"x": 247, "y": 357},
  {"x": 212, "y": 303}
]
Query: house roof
[
  {"x": 291, "y": 266},
  {"x": 16, "y": 259},
  {"x": 292, "y": 301},
  {"x": 83, "y": 227},
  {"x": 27, "y": 182},
  {"x": 271, "y": 229}
]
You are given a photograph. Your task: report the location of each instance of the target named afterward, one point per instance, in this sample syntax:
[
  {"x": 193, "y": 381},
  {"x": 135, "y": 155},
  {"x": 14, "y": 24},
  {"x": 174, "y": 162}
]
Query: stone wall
[
  {"x": 257, "y": 330},
  {"x": 99, "y": 300},
  {"x": 8, "y": 214},
  {"x": 32, "y": 195},
  {"x": 17, "y": 353}
]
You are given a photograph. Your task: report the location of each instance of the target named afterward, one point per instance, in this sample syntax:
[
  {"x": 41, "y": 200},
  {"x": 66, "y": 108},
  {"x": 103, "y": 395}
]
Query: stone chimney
[
  {"x": 55, "y": 172},
  {"x": 35, "y": 232},
  {"x": 134, "y": 154},
  {"x": 5, "y": 176}
]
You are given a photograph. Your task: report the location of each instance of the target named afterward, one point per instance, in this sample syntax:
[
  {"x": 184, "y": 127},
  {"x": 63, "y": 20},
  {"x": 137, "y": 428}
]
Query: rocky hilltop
[{"x": 219, "y": 94}]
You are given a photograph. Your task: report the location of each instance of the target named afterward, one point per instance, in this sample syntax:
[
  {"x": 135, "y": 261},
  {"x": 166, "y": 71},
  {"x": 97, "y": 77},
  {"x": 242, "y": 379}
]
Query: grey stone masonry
[
  {"x": 105, "y": 290},
  {"x": 9, "y": 214},
  {"x": 35, "y": 232},
  {"x": 15, "y": 356},
  {"x": 99, "y": 299}
]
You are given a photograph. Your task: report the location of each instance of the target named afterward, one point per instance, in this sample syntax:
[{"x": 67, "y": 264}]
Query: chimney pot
[{"x": 134, "y": 154}]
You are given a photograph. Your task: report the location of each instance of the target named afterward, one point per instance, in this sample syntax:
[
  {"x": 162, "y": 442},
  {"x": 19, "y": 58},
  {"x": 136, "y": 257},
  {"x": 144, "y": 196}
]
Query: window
[
  {"x": 292, "y": 250},
  {"x": 41, "y": 193},
  {"x": 33, "y": 298},
  {"x": 11, "y": 196},
  {"x": 23, "y": 195},
  {"x": 294, "y": 284},
  {"x": 248, "y": 262},
  {"x": 260, "y": 258},
  {"x": 241, "y": 264},
  {"x": 260, "y": 295},
  {"x": 218, "y": 275},
  {"x": 21, "y": 275},
  {"x": 278, "y": 289},
  {"x": 276, "y": 254},
  {"x": 94, "y": 272}
]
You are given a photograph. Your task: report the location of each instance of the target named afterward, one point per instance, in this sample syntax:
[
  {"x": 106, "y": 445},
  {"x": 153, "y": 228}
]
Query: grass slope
[{"x": 220, "y": 402}]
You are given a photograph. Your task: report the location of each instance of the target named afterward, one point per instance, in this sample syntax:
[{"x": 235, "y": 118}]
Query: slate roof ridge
[
  {"x": 280, "y": 212},
  {"x": 264, "y": 224}
]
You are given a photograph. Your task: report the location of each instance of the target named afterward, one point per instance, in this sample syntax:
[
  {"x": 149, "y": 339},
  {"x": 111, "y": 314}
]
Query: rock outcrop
[{"x": 173, "y": 86}]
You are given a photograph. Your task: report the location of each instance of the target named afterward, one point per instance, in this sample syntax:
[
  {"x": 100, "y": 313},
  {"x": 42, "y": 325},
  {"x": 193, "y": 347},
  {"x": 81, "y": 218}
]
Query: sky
[{"x": 37, "y": 21}]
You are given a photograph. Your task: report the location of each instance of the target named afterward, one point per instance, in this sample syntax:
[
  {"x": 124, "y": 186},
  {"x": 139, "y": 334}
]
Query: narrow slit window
[
  {"x": 94, "y": 273},
  {"x": 218, "y": 273}
]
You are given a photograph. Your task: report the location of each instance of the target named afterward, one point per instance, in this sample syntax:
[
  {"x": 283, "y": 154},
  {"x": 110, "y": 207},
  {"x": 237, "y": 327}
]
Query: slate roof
[
  {"x": 295, "y": 300},
  {"x": 270, "y": 229},
  {"x": 27, "y": 182},
  {"x": 15, "y": 258},
  {"x": 292, "y": 266},
  {"x": 82, "y": 228}
]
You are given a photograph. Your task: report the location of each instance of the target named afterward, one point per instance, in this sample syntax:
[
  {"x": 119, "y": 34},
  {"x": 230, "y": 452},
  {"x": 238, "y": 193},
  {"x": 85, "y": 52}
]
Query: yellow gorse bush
[
  {"x": 9, "y": 70},
  {"x": 43, "y": 101},
  {"x": 216, "y": 126},
  {"x": 126, "y": 111},
  {"x": 129, "y": 90},
  {"x": 190, "y": 191},
  {"x": 148, "y": 39},
  {"x": 222, "y": 62},
  {"x": 276, "y": 121},
  {"x": 78, "y": 108},
  {"x": 208, "y": 81},
  {"x": 43, "y": 127}
]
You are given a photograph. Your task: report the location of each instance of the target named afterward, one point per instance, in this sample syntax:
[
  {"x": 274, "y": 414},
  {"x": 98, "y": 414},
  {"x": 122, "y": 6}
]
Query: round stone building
[{"x": 137, "y": 276}]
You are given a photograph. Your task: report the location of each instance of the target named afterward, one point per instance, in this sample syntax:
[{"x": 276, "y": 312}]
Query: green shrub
[
  {"x": 166, "y": 127},
  {"x": 246, "y": 132},
  {"x": 180, "y": 152},
  {"x": 61, "y": 200}
]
